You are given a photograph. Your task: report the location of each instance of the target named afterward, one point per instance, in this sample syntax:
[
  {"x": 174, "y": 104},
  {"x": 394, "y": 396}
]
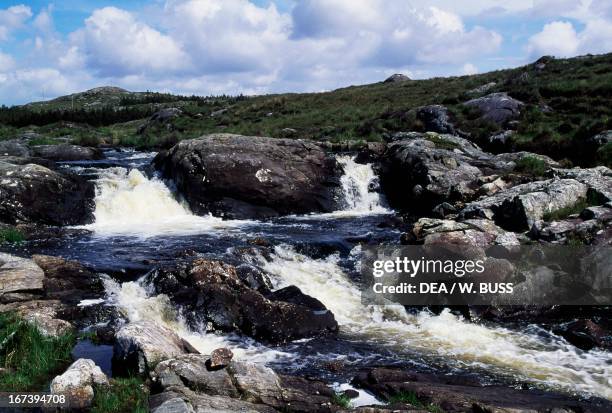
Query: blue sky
[{"x": 261, "y": 46}]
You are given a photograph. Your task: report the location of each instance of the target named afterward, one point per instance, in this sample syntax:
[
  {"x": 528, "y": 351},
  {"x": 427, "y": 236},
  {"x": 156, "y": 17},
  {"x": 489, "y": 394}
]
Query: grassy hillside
[{"x": 567, "y": 101}]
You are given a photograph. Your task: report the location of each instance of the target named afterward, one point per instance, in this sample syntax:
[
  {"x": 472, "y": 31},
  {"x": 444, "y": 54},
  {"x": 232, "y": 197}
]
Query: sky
[{"x": 205, "y": 47}]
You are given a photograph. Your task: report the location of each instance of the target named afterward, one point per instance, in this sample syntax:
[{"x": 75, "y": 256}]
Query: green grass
[
  {"x": 410, "y": 398},
  {"x": 125, "y": 395},
  {"x": 342, "y": 400},
  {"x": 31, "y": 360},
  {"x": 43, "y": 140},
  {"x": 531, "y": 165},
  {"x": 11, "y": 236}
]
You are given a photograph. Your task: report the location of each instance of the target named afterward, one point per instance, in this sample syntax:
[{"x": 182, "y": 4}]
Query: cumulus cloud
[
  {"x": 13, "y": 18},
  {"x": 469, "y": 69},
  {"x": 557, "y": 38}
]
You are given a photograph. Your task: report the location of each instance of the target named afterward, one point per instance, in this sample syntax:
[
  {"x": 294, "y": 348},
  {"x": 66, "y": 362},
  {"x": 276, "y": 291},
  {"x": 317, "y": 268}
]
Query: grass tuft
[
  {"x": 11, "y": 236},
  {"x": 410, "y": 398},
  {"x": 125, "y": 395},
  {"x": 29, "y": 358},
  {"x": 531, "y": 165},
  {"x": 342, "y": 400}
]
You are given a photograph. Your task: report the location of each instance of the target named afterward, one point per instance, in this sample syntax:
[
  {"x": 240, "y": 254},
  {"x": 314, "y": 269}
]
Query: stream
[{"x": 139, "y": 222}]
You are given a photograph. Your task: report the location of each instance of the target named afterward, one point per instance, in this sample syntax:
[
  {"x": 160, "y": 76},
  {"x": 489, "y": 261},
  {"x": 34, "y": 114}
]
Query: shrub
[
  {"x": 125, "y": 395},
  {"x": 342, "y": 400},
  {"x": 11, "y": 236},
  {"x": 531, "y": 165}
]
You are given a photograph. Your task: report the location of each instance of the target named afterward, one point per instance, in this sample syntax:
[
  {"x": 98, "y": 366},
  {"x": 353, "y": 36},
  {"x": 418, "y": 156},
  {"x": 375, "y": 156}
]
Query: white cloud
[
  {"x": 13, "y": 18},
  {"x": 6, "y": 62},
  {"x": 557, "y": 38},
  {"x": 114, "y": 43},
  {"x": 469, "y": 69}
]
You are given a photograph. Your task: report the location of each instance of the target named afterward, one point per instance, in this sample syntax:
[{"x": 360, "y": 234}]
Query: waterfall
[
  {"x": 129, "y": 202},
  {"x": 359, "y": 184},
  {"x": 535, "y": 356}
]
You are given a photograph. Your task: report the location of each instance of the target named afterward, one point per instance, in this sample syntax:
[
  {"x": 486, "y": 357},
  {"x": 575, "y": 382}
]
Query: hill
[{"x": 566, "y": 103}]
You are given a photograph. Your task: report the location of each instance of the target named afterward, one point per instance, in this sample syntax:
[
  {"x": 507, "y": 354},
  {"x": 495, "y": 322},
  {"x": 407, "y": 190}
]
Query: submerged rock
[
  {"x": 34, "y": 193},
  {"x": 238, "y": 176},
  {"x": 66, "y": 152},
  {"x": 211, "y": 292}
]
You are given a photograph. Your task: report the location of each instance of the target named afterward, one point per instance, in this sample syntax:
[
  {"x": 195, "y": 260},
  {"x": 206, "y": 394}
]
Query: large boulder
[
  {"x": 245, "y": 177},
  {"x": 34, "y": 193},
  {"x": 14, "y": 147},
  {"x": 19, "y": 278},
  {"x": 211, "y": 292},
  {"x": 78, "y": 383},
  {"x": 162, "y": 117},
  {"x": 140, "y": 346},
  {"x": 66, "y": 152},
  {"x": 435, "y": 118},
  {"x": 521, "y": 206},
  {"x": 396, "y": 78},
  {"x": 497, "y": 107}
]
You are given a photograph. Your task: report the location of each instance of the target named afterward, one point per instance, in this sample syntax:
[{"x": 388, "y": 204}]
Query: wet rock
[
  {"x": 497, "y": 107},
  {"x": 371, "y": 153},
  {"x": 33, "y": 193},
  {"x": 211, "y": 292},
  {"x": 519, "y": 207},
  {"x": 238, "y": 176},
  {"x": 435, "y": 118},
  {"x": 220, "y": 357},
  {"x": 396, "y": 78},
  {"x": 68, "y": 281},
  {"x": 66, "y": 152},
  {"x": 139, "y": 346},
  {"x": 78, "y": 381},
  {"x": 456, "y": 394},
  {"x": 598, "y": 140},
  {"x": 586, "y": 334}
]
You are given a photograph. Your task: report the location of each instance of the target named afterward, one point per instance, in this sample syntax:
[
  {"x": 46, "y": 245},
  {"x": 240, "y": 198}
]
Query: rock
[
  {"x": 371, "y": 152},
  {"x": 512, "y": 157},
  {"x": 497, "y": 107},
  {"x": 435, "y": 118},
  {"x": 493, "y": 187},
  {"x": 501, "y": 140},
  {"x": 211, "y": 292},
  {"x": 482, "y": 89},
  {"x": 19, "y": 275},
  {"x": 161, "y": 117},
  {"x": 457, "y": 394},
  {"x": 599, "y": 213},
  {"x": 251, "y": 177},
  {"x": 77, "y": 383},
  {"x": 68, "y": 281},
  {"x": 14, "y": 147},
  {"x": 598, "y": 179},
  {"x": 66, "y": 152},
  {"x": 139, "y": 346},
  {"x": 519, "y": 207},
  {"x": 173, "y": 405},
  {"x": 598, "y": 140},
  {"x": 586, "y": 334},
  {"x": 396, "y": 78},
  {"x": 33, "y": 193},
  {"x": 220, "y": 357},
  {"x": 44, "y": 314}
]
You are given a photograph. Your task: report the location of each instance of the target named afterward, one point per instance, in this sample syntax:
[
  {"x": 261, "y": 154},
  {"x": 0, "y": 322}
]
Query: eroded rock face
[
  {"x": 78, "y": 381},
  {"x": 435, "y": 118},
  {"x": 19, "y": 275},
  {"x": 519, "y": 207},
  {"x": 251, "y": 177},
  {"x": 497, "y": 107},
  {"x": 141, "y": 345},
  {"x": 66, "y": 152},
  {"x": 211, "y": 292},
  {"x": 34, "y": 193}
]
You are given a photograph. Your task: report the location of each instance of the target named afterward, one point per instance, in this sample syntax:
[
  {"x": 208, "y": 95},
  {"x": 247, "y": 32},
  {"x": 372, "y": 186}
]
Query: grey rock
[
  {"x": 14, "y": 147},
  {"x": 396, "y": 78},
  {"x": 66, "y": 152},
  {"x": 174, "y": 405},
  {"x": 600, "y": 139},
  {"x": 501, "y": 139},
  {"x": 238, "y": 176},
  {"x": 78, "y": 381},
  {"x": 435, "y": 118},
  {"x": 19, "y": 274},
  {"x": 497, "y": 107},
  {"x": 598, "y": 179},
  {"x": 482, "y": 89},
  {"x": 161, "y": 117}
]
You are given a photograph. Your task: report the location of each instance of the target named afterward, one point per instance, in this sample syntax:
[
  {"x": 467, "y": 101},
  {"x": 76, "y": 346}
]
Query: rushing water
[{"x": 139, "y": 221}]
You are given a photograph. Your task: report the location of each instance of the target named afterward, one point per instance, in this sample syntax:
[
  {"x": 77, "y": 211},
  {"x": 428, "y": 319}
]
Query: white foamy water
[
  {"x": 549, "y": 361},
  {"x": 136, "y": 303},
  {"x": 127, "y": 202}
]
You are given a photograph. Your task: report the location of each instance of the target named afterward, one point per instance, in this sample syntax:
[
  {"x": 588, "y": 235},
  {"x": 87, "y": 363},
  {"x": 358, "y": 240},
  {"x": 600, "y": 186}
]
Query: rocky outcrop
[
  {"x": 396, "y": 78},
  {"x": 585, "y": 334},
  {"x": 241, "y": 386},
  {"x": 140, "y": 346},
  {"x": 78, "y": 383},
  {"x": 34, "y": 193},
  {"x": 238, "y": 176},
  {"x": 162, "y": 117},
  {"x": 519, "y": 207},
  {"x": 211, "y": 292},
  {"x": 66, "y": 152},
  {"x": 19, "y": 278},
  {"x": 14, "y": 147},
  {"x": 497, "y": 107},
  {"x": 471, "y": 232},
  {"x": 435, "y": 118},
  {"x": 456, "y": 394}
]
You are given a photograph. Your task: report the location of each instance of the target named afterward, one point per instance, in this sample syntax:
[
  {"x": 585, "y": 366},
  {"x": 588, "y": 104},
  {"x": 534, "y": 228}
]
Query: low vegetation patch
[
  {"x": 125, "y": 395},
  {"x": 11, "y": 236},
  {"x": 410, "y": 398},
  {"x": 342, "y": 400},
  {"x": 28, "y": 358},
  {"x": 578, "y": 207},
  {"x": 531, "y": 165},
  {"x": 442, "y": 143},
  {"x": 604, "y": 155}
]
